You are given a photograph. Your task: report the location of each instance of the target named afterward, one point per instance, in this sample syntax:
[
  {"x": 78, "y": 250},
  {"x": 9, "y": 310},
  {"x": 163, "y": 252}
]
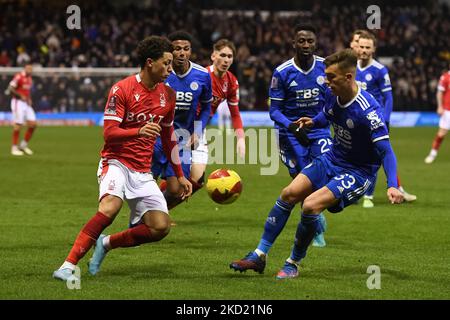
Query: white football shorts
[
  {"x": 200, "y": 154},
  {"x": 139, "y": 189},
  {"x": 444, "y": 121},
  {"x": 21, "y": 111}
]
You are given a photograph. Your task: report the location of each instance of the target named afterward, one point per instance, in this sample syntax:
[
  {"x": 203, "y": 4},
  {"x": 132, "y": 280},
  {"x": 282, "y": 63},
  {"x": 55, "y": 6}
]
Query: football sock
[
  {"x": 131, "y": 237},
  {"x": 87, "y": 237},
  {"x": 399, "y": 183},
  {"x": 15, "y": 137},
  {"x": 29, "y": 134},
  {"x": 437, "y": 143},
  {"x": 306, "y": 230},
  {"x": 275, "y": 222}
]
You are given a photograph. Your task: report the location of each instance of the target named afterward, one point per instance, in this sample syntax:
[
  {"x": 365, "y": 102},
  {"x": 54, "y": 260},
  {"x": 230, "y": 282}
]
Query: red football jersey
[
  {"x": 444, "y": 86},
  {"x": 22, "y": 83},
  {"x": 226, "y": 88},
  {"x": 133, "y": 105}
]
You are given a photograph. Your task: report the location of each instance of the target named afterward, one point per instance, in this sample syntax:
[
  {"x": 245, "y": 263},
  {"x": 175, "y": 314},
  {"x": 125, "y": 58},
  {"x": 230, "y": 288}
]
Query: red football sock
[
  {"x": 87, "y": 237},
  {"x": 15, "y": 137},
  {"x": 437, "y": 142},
  {"x": 398, "y": 181},
  {"x": 131, "y": 237},
  {"x": 29, "y": 134}
]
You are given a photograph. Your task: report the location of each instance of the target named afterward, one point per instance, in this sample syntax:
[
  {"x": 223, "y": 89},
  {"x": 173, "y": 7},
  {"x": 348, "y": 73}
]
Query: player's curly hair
[
  {"x": 180, "y": 35},
  {"x": 345, "y": 59},
  {"x": 152, "y": 47}
]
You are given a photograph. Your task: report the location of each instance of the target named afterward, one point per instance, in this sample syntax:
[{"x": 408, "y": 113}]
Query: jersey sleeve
[
  {"x": 277, "y": 95},
  {"x": 443, "y": 83},
  {"x": 374, "y": 121},
  {"x": 233, "y": 94},
  {"x": 170, "y": 116},
  {"x": 276, "y": 90},
  {"x": 15, "y": 81},
  {"x": 384, "y": 82},
  {"x": 205, "y": 102},
  {"x": 115, "y": 105}
]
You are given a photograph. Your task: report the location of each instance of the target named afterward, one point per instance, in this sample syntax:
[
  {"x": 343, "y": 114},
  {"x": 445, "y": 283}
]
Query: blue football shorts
[
  {"x": 295, "y": 156},
  {"x": 346, "y": 184},
  {"x": 161, "y": 167}
]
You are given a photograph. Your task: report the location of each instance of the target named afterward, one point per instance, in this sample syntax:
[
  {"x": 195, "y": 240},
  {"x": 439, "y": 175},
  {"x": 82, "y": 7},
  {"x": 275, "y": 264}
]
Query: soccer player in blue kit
[
  {"x": 342, "y": 175},
  {"x": 297, "y": 90},
  {"x": 192, "y": 84},
  {"x": 373, "y": 77}
]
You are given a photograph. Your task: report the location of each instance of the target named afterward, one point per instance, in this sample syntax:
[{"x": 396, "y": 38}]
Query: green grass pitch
[{"x": 45, "y": 199}]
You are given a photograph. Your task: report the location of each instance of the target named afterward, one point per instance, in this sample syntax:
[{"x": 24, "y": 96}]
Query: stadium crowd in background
[{"x": 414, "y": 39}]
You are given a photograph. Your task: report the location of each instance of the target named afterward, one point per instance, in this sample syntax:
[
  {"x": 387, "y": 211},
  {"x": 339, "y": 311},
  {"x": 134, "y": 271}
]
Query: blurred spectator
[{"x": 415, "y": 37}]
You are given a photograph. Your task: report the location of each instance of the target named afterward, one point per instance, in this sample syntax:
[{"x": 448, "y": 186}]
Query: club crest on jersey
[
  {"x": 111, "y": 107},
  {"x": 162, "y": 99},
  {"x": 194, "y": 85},
  {"x": 225, "y": 86},
  {"x": 375, "y": 121},
  {"x": 115, "y": 88},
  {"x": 320, "y": 80},
  {"x": 136, "y": 96},
  {"x": 368, "y": 77},
  {"x": 350, "y": 123}
]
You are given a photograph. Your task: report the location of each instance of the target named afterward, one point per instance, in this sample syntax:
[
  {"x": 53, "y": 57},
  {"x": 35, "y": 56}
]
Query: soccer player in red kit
[
  {"x": 443, "y": 110},
  {"x": 225, "y": 87},
  {"x": 22, "y": 111},
  {"x": 139, "y": 108}
]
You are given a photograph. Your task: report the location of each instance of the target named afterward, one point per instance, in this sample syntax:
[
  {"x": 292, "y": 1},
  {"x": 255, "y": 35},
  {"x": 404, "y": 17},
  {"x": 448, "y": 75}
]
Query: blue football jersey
[
  {"x": 192, "y": 88},
  {"x": 374, "y": 78},
  {"x": 357, "y": 126},
  {"x": 298, "y": 93}
]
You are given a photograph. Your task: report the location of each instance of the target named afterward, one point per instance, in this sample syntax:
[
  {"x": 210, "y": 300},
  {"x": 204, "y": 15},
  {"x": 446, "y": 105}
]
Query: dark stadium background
[{"x": 413, "y": 42}]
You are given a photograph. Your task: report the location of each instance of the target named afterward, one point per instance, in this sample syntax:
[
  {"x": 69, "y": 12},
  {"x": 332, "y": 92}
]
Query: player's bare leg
[
  {"x": 172, "y": 191},
  {"x": 309, "y": 224},
  {"x": 154, "y": 227},
  {"x": 108, "y": 209},
  {"x": 294, "y": 193},
  {"x": 436, "y": 145},
  {"x": 15, "y": 151},
  {"x": 31, "y": 126},
  {"x": 197, "y": 171}
]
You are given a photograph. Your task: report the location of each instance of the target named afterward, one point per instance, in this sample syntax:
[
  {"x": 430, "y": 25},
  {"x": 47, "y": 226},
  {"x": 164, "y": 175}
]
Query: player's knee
[
  {"x": 110, "y": 206},
  {"x": 311, "y": 207},
  {"x": 159, "y": 229},
  {"x": 290, "y": 195}
]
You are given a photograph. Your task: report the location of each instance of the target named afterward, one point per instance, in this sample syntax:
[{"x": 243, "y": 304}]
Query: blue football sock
[
  {"x": 306, "y": 230},
  {"x": 275, "y": 222}
]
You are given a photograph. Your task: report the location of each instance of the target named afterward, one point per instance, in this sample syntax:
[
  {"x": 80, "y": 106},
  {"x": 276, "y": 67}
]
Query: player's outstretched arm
[{"x": 384, "y": 149}]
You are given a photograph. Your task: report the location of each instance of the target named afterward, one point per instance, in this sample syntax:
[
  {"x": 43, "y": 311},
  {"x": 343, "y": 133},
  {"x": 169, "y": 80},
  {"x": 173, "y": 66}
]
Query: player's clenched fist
[
  {"x": 394, "y": 195},
  {"x": 150, "y": 129}
]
